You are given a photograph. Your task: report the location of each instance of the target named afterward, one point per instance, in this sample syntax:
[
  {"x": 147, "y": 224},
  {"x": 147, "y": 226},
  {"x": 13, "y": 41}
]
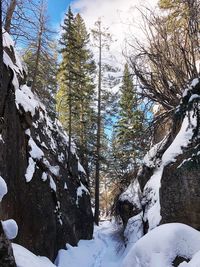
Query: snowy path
[{"x": 105, "y": 250}]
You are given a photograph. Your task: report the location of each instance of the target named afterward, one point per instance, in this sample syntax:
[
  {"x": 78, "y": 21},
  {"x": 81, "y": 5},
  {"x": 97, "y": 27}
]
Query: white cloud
[{"x": 121, "y": 16}]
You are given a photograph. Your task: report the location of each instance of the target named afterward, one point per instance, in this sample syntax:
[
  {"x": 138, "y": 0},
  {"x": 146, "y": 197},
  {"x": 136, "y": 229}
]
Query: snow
[
  {"x": 61, "y": 157},
  {"x": 194, "y": 82},
  {"x": 185, "y": 92},
  {"x": 30, "y": 170},
  {"x": 156, "y": 108},
  {"x": 194, "y": 96},
  {"x": 80, "y": 190},
  {"x": 65, "y": 186},
  {"x": 3, "y": 188},
  {"x": 197, "y": 63},
  {"x": 17, "y": 67},
  {"x": 7, "y": 40},
  {"x": 151, "y": 190},
  {"x": 195, "y": 261},
  {"x": 26, "y": 99},
  {"x": 80, "y": 168},
  {"x": 161, "y": 246},
  {"x": 134, "y": 230},
  {"x": 24, "y": 258},
  {"x": 52, "y": 184},
  {"x": 191, "y": 85},
  {"x": 44, "y": 176},
  {"x": 149, "y": 159},
  {"x": 8, "y": 62},
  {"x": 53, "y": 169},
  {"x": 132, "y": 194},
  {"x": 36, "y": 152},
  {"x": 182, "y": 139},
  {"x": 10, "y": 228},
  {"x": 1, "y": 139},
  {"x": 158, "y": 248},
  {"x": 44, "y": 145},
  {"x": 102, "y": 251}
]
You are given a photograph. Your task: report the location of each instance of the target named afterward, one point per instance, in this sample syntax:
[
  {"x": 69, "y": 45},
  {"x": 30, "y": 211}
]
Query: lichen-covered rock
[{"x": 47, "y": 189}]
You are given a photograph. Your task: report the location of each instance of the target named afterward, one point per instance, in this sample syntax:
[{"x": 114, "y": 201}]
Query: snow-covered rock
[
  {"x": 3, "y": 188},
  {"x": 134, "y": 230},
  {"x": 37, "y": 165},
  {"x": 162, "y": 245},
  {"x": 168, "y": 181},
  {"x": 10, "y": 228},
  {"x": 25, "y": 258}
]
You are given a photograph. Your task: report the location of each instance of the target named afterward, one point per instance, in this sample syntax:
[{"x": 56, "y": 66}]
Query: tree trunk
[
  {"x": 70, "y": 120},
  {"x": 39, "y": 46},
  {"x": 9, "y": 15},
  {"x": 98, "y": 145}
]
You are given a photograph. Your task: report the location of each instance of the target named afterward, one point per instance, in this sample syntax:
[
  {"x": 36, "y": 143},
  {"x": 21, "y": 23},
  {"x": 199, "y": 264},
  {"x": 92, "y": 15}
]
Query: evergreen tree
[
  {"x": 102, "y": 40},
  {"x": 127, "y": 144},
  {"x": 66, "y": 73},
  {"x": 76, "y": 85}
]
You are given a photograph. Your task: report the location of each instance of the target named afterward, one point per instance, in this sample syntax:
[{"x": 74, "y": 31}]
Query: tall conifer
[
  {"x": 129, "y": 126},
  {"x": 76, "y": 85}
]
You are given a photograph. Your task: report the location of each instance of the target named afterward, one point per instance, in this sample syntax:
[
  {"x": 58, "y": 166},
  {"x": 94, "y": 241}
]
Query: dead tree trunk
[{"x": 9, "y": 15}]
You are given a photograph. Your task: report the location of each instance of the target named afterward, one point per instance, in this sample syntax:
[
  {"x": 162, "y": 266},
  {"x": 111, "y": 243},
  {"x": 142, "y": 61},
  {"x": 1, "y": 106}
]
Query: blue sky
[{"x": 56, "y": 9}]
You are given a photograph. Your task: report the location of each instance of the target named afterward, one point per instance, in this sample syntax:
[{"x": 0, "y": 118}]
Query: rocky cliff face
[
  {"x": 168, "y": 182},
  {"x": 47, "y": 189}
]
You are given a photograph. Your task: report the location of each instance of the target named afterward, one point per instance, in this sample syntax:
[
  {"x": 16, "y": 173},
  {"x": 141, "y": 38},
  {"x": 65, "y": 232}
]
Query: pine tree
[
  {"x": 129, "y": 127},
  {"x": 76, "y": 85},
  {"x": 67, "y": 72},
  {"x": 102, "y": 40}
]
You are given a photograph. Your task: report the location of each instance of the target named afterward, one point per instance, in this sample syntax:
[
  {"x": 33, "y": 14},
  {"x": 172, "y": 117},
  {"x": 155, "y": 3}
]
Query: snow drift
[{"x": 162, "y": 245}]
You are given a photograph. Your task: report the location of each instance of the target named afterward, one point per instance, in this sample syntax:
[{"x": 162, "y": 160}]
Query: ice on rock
[{"x": 10, "y": 228}]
